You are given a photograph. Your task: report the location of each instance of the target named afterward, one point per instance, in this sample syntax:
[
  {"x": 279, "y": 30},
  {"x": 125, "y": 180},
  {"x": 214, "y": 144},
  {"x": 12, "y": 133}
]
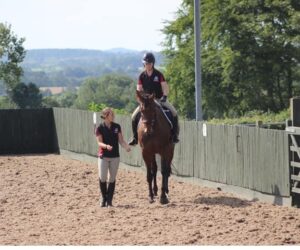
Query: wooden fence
[
  {"x": 252, "y": 158},
  {"x": 27, "y": 131}
]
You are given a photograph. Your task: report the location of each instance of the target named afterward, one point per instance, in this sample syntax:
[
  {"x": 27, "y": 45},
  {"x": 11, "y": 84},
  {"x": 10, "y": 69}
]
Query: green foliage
[
  {"x": 179, "y": 69},
  {"x": 99, "y": 107},
  {"x": 12, "y": 54},
  {"x": 5, "y": 103},
  {"x": 250, "y": 56},
  {"x": 96, "y": 107},
  {"x": 120, "y": 111},
  {"x": 65, "y": 99},
  {"x": 253, "y": 116},
  {"x": 26, "y": 96},
  {"x": 113, "y": 90},
  {"x": 50, "y": 102}
]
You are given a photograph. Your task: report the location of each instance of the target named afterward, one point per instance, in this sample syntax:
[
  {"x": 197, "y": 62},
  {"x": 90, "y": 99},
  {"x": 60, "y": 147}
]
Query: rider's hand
[{"x": 163, "y": 98}]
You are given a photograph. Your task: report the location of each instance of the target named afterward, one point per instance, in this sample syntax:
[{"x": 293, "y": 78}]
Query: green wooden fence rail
[{"x": 252, "y": 158}]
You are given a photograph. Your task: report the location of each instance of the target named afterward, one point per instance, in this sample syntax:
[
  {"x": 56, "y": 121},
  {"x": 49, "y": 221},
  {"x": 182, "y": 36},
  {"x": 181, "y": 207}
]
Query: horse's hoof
[
  {"x": 151, "y": 200},
  {"x": 164, "y": 200}
]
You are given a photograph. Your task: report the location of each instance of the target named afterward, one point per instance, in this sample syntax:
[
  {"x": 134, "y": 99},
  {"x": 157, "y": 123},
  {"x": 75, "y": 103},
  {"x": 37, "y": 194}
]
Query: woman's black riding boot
[
  {"x": 110, "y": 193},
  {"x": 103, "y": 189}
]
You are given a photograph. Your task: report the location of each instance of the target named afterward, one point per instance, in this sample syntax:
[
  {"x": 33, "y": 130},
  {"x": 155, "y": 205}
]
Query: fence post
[
  {"x": 258, "y": 124},
  {"x": 295, "y": 111},
  {"x": 288, "y": 123},
  {"x": 294, "y": 154}
]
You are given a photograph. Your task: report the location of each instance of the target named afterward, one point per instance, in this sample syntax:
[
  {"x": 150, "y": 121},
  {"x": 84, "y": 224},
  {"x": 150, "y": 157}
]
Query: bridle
[{"x": 148, "y": 114}]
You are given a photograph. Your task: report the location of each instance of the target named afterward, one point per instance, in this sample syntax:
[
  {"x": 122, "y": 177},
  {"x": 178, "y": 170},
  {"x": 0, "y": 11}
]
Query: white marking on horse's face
[{"x": 145, "y": 130}]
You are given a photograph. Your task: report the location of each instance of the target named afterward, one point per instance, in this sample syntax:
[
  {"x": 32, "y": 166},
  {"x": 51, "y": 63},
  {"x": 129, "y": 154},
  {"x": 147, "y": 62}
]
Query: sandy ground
[{"x": 54, "y": 200}]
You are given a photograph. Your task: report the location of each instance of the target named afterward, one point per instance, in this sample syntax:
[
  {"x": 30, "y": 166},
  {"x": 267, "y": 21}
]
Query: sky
[{"x": 89, "y": 24}]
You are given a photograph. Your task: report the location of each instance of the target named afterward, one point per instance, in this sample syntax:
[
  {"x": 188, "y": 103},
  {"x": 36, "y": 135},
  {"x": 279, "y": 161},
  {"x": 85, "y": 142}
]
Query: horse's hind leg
[{"x": 154, "y": 171}]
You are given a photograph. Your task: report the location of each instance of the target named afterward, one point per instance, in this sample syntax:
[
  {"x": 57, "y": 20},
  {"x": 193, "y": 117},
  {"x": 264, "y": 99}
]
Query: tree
[
  {"x": 117, "y": 91},
  {"x": 250, "y": 52},
  {"x": 86, "y": 93},
  {"x": 50, "y": 102},
  {"x": 66, "y": 99},
  {"x": 6, "y": 103},
  {"x": 179, "y": 60},
  {"x": 26, "y": 96},
  {"x": 12, "y": 54},
  {"x": 258, "y": 40}
]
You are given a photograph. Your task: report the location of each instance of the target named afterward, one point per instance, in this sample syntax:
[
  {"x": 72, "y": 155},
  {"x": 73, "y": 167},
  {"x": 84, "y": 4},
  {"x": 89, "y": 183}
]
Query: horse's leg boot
[
  {"x": 110, "y": 193},
  {"x": 175, "y": 130},
  {"x": 103, "y": 189}
]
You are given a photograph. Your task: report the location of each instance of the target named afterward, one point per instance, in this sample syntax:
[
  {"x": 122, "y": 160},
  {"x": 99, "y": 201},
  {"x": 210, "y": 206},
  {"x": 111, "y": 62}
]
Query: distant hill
[
  {"x": 121, "y": 50},
  {"x": 69, "y": 67}
]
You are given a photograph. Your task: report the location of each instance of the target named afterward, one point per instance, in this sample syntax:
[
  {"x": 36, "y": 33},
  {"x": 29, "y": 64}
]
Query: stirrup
[{"x": 133, "y": 142}]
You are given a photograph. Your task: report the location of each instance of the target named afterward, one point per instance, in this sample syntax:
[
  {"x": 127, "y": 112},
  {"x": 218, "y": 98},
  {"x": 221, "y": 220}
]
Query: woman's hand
[
  {"x": 123, "y": 143},
  {"x": 108, "y": 147}
]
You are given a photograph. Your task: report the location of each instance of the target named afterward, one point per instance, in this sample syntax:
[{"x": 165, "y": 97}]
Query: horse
[{"x": 154, "y": 137}]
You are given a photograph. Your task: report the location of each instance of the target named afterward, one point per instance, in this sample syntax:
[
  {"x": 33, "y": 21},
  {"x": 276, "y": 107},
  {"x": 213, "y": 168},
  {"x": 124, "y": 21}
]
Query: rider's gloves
[{"x": 163, "y": 98}]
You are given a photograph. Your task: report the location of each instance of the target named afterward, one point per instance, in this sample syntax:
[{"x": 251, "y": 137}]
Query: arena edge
[{"x": 251, "y": 162}]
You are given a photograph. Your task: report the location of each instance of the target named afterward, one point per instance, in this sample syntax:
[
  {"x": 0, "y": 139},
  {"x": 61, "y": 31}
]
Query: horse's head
[
  {"x": 147, "y": 107},
  {"x": 146, "y": 101}
]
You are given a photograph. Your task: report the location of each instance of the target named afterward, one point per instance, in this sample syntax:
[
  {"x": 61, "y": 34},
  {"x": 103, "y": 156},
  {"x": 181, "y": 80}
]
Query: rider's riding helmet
[{"x": 148, "y": 58}]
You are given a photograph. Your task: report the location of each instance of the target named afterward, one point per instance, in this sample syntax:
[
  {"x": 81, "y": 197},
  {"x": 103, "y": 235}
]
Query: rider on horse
[{"x": 152, "y": 81}]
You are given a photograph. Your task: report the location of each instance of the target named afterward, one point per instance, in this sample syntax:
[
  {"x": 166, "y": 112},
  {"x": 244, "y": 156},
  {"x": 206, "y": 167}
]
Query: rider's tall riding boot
[
  {"x": 103, "y": 189},
  {"x": 110, "y": 193},
  {"x": 175, "y": 130},
  {"x": 134, "y": 124}
]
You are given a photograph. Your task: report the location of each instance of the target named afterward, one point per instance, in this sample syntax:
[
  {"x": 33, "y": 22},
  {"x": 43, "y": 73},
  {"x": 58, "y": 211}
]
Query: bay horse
[{"x": 154, "y": 136}]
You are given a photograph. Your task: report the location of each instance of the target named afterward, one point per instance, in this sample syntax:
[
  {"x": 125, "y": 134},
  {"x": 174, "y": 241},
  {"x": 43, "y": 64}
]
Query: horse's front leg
[
  {"x": 149, "y": 180},
  {"x": 148, "y": 162},
  {"x": 154, "y": 171},
  {"x": 165, "y": 171}
]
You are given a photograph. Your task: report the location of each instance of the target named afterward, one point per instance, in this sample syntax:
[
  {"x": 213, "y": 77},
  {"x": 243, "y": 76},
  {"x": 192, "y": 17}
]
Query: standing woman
[{"x": 109, "y": 135}]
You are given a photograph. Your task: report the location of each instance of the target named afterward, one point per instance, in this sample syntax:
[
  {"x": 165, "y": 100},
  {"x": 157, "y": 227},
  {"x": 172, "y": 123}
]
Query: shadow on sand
[{"x": 224, "y": 201}]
